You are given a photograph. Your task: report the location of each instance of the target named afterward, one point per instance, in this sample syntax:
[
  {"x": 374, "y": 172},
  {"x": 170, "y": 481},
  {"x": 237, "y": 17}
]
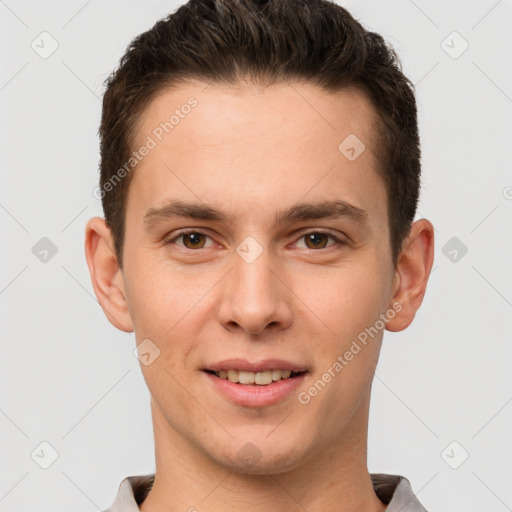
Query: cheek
[
  {"x": 349, "y": 355},
  {"x": 348, "y": 299},
  {"x": 164, "y": 304},
  {"x": 160, "y": 296},
  {"x": 168, "y": 309}
]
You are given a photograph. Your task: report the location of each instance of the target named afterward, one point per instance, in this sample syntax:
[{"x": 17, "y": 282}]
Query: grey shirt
[{"x": 393, "y": 490}]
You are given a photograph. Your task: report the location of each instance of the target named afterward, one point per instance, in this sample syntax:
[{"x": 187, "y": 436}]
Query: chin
[{"x": 260, "y": 457}]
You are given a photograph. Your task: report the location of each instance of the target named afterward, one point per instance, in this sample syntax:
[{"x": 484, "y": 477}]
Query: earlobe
[
  {"x": 106, "y": 276},
  {"x": 412, "y": 273}
]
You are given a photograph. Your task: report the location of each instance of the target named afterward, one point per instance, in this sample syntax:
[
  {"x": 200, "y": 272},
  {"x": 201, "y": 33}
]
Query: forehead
[
  {"x": 279, "y": 143},
  {"x": 249, "y": 110}
]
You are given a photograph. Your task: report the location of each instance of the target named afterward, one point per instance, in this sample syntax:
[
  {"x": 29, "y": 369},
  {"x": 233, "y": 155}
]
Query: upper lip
[{"x": 255, "y": 366}]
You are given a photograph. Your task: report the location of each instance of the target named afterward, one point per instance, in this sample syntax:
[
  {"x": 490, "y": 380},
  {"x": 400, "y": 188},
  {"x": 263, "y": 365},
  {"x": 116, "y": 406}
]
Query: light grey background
[{"x": 70, "y": 379}]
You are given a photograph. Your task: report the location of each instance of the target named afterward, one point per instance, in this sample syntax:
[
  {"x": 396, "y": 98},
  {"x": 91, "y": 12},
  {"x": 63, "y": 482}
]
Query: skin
[{"x": 252, "y": 152}]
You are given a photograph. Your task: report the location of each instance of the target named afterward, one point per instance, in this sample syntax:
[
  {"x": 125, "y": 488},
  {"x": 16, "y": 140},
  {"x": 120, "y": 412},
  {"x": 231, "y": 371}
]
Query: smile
[{"x": 263, "y": 378}]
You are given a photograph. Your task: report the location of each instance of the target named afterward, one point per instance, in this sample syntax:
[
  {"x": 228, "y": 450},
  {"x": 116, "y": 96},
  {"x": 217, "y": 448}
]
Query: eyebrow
[{"x": 300, "y": 212}]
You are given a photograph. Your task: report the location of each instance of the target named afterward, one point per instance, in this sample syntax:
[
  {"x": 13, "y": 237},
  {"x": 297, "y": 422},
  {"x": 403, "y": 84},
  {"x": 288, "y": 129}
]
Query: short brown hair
[{"x": 268, "y": 41}]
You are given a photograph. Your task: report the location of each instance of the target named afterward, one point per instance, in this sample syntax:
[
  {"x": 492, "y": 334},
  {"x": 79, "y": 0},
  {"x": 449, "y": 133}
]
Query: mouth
[
  {"x": 262, "y": 388},
  {"x": 255, "y": 383},
  {"x": 261, "y": 378}
]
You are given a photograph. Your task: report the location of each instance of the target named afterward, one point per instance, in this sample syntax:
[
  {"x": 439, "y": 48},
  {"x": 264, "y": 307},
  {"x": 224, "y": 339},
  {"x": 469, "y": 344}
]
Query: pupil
[
  {"x": 191, "y": 237},
  {"x": 313, "y": 237}
]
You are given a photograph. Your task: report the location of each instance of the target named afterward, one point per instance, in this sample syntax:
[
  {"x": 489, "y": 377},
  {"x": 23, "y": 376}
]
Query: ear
[
  {"x": 411, "y": 274},
  {"x": 106, "y": 276}
]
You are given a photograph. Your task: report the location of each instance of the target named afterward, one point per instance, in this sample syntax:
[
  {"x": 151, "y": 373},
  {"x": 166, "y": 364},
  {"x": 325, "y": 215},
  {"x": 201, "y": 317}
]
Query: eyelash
[{"x": 338, "y": 241}]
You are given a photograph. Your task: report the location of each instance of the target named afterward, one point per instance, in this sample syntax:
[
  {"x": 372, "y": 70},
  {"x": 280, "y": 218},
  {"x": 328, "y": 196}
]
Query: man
[{"x": 260, "y": 169}]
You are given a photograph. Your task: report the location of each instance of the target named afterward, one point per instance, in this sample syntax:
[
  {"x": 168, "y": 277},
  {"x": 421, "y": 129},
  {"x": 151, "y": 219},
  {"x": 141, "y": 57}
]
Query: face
[{"x": 255, "y": 243}]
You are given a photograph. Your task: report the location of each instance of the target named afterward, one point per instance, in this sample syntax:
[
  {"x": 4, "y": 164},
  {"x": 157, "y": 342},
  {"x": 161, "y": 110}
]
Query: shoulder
[
  {"x": 131, "y": 493},
  {"x": 396, "y": 492}
]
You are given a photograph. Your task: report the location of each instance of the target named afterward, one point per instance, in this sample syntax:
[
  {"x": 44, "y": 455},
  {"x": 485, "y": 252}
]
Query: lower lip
[{"x": 253, "y": 395}]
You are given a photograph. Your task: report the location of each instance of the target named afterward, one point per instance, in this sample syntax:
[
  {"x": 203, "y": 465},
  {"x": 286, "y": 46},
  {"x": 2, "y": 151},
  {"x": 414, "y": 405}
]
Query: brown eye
[
  {"x": 318, "y": 240},
  {"x": 315, "y": 239},
  {"x": 195, "y": 239},
  {"x": 191, "y": 240}
]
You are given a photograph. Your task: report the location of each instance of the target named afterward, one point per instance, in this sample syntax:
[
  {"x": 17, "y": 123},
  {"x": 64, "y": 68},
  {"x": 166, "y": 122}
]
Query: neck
[{"x": 186, "y": 479}]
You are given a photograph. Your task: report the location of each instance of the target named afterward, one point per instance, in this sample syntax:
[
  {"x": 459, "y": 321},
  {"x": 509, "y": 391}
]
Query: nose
[{"x": 255, "y": 296}]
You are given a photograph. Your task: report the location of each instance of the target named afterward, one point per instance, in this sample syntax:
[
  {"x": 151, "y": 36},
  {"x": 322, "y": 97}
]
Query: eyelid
[
  {"x": 340, "y": 240},
  {"x": 186, "y": 231}
]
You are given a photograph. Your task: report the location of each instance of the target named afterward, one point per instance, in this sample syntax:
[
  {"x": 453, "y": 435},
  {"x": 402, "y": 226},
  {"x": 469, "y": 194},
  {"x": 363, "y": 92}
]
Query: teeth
[
  {"x": 245, "y": 377},
  {"x": 276, "y": 374},
  {"x": 233, "y": 375},
  {"x": 259, "y": 378},
  {"x": 263, "y": 378}
]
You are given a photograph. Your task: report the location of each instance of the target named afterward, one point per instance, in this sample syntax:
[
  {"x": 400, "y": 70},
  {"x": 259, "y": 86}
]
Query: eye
[
  {"x": 193, "y": 239},
  {"x": 317, "y": 239}
]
